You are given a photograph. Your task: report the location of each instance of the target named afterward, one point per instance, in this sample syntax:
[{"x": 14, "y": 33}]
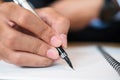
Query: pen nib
[
  {"x": 64, "y": 55},
  {"x": 69, "y": 62}
]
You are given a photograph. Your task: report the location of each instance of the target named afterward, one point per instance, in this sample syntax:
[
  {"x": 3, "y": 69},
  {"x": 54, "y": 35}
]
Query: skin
[
  {"x": 28, "y": 40},
  {"x": 79, "y": 12},
  {"x": 30, "y": 47}
]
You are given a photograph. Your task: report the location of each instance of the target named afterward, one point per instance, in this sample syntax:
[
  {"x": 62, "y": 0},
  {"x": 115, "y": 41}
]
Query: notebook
[{"x": 88, "y": 62}]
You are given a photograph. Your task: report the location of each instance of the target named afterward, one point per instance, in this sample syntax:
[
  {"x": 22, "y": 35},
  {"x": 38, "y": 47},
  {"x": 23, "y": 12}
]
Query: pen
[{"x": 62, "y": 53}]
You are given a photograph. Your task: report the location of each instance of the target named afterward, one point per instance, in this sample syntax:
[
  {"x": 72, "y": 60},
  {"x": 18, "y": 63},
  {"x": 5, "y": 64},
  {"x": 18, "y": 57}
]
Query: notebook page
[{"x": 88, "y": 62}]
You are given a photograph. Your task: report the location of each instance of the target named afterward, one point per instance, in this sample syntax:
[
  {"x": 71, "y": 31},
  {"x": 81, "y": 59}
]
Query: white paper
[{"x": 88, "y": 62}]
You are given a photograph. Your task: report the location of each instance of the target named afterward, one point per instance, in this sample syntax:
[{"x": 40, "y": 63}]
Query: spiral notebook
[{"x": 88, "y": 62}]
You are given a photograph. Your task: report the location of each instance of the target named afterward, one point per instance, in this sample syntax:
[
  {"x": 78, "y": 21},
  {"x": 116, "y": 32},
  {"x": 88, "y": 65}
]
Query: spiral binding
[{"x": 113, "y": 62}]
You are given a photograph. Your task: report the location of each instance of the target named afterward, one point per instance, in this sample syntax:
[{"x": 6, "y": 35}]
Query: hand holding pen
[
  {"x": 62, "y": 53},
  {"x": 26, "y": 39}
]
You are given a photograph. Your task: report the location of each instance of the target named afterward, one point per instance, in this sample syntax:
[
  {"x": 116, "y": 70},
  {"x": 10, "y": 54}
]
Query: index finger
[
  {"x": 0, "y": 58},
  {"x": 31, "y": 22}
]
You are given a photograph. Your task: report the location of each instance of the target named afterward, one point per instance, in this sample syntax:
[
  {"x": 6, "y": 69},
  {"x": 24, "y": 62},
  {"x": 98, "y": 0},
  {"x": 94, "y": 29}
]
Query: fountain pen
[
  {"x": 64, "y": 55},
  {"x": 25, "y": 4}
]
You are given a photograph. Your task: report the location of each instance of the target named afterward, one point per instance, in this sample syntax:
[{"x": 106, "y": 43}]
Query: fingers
[
  {"x": 31, "y": 22},
  {"x": 32, "y": 60},
  {"x": 22, "y": 42},
  {"x": 23, "y": 58},
  {"x": 58, "y": 22},
  {"x": 0, "y": 58}
]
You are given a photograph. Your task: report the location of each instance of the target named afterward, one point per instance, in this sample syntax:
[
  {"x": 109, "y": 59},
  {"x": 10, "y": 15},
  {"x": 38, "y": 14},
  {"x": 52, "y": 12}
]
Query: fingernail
[
  {"x": 55, "y": 41},
  {"x": 64, "y": 40},
  {"x": 53, "y": 53}
]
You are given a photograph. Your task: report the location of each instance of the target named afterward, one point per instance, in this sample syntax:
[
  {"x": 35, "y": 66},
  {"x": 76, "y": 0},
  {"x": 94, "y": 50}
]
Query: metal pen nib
[{"x": 64, "y": 55}]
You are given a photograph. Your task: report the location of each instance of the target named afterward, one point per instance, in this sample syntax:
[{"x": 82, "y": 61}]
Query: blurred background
[{"x": 98, "y": 30}]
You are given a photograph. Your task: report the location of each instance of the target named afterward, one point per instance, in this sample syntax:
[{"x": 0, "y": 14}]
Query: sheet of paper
[{"x": 88, "y": 62}]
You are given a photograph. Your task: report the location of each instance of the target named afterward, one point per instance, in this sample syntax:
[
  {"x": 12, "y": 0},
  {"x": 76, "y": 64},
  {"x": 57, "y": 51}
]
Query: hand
[
  {"x": 56, "y": 21},
  {"x": 0, "y": 58},
  {"x": 22, "y": 49}
]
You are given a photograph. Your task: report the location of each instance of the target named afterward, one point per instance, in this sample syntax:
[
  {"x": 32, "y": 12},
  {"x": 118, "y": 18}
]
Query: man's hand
[
  {"x": 27, "y": 50},
  {"x": 56, "y": 21}
]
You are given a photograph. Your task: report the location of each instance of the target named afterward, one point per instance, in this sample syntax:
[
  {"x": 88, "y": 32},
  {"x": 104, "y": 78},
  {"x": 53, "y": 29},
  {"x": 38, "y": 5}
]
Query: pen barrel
[
  {"x": 25, "y": 4},
  {"x": 62, "y": 53}
]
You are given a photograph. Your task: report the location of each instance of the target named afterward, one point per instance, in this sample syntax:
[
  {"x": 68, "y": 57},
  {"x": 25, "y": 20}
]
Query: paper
[{"x": 88, "y": 62}]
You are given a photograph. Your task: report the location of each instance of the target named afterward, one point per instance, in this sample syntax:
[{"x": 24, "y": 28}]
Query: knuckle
[
  {"x": 39, "y": 49},
  {"x": 10, "y": 41},
  {"x": 67, "y": 21},
  {"x": 11, "y": 58},
  {"x": 3, "y": 50},
  {"x": 45, "y": 31},
  {"x": 41, "y": 32},
  {"x": 15, "y": 59},
  {"x": 23, "y": 17},
  {"x": 63, "y": 20},
  {"x": 49, "y": 33},
  {"x": 2, "y": 47},
  {"x": 8, "y": 5},
  {"x": 46, "y": 62},
  {"x": 6, "y": 8}
]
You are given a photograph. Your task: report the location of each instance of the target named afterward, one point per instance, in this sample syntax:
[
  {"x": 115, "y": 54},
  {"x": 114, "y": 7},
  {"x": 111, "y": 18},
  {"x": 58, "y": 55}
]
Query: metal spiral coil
[{"x": 113, "y": 62}]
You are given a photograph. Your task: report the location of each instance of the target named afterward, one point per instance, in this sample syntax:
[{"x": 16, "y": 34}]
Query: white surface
[{"x": 88, "y": 62}]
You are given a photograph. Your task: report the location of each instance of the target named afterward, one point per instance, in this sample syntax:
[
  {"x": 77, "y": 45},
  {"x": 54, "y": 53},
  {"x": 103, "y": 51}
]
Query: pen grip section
[{"x": 62, "y": 52}]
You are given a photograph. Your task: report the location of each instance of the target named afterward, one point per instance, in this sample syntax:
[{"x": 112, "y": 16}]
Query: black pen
[{"x": 62, "y": 53}]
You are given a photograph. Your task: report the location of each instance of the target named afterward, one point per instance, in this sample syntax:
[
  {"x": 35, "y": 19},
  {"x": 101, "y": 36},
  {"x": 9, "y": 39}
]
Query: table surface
[{"x": 74, "y": 44}]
